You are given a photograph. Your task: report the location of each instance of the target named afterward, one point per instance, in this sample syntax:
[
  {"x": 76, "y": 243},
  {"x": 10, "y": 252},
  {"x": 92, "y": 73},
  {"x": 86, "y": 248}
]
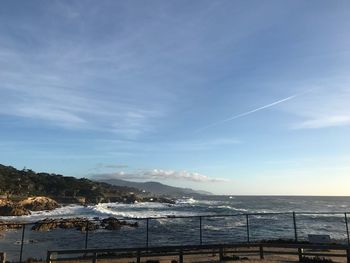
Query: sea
[{"x": 190, "y": 221}]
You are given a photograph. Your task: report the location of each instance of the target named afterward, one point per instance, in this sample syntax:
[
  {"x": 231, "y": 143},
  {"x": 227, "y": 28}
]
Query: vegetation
[{"x": 23, "y": 183}]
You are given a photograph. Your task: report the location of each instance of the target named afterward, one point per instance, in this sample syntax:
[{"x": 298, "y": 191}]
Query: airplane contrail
[{"x": 251, "y": 111}]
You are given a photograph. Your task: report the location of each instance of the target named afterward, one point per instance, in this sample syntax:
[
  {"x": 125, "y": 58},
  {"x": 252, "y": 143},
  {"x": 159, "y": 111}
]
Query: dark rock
[
  {"x": 68, "y": 223},
  {"x": 81, "y": 224},
  {"x": 4, "y": 225},
  {"x": 11, "y": 209},
  {"x": 112, "y": 223}
]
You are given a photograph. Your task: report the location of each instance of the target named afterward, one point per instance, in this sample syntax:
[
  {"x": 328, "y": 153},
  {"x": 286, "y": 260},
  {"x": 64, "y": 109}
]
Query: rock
[
  {"x": 45, "y": 225},
  {"x": 80, "y": 224},
  {"x": 23, "y": 207},
  {"x": 136, "y": 224},
  {"x": 39, "y": 203},
  {"x": 4, "y": 201},
  {"x": 67, "y": 223},
  {"x": 3, "y": 227},
  {"x": 12, "y": 209},
  {"x": 112, "y": 223}
]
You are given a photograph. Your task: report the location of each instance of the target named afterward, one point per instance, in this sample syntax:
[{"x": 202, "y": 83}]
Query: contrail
[{"x": 251, "y": 111}]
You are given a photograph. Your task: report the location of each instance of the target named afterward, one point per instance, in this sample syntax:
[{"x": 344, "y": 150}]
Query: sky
[{"x": 232, "y": 97}]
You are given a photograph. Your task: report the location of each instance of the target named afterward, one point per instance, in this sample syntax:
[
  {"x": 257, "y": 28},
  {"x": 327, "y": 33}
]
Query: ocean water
[{"x": 223, "y": 221}]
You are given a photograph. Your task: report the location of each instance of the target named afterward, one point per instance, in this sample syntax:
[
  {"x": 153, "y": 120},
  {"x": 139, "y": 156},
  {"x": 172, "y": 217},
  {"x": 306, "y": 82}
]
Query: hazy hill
[{"x": 157, "y": 188}]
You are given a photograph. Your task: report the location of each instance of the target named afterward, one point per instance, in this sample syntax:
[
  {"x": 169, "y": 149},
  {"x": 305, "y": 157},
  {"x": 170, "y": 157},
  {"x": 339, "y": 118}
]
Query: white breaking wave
[
  {"x": 64, "y": 211},
  {"x": 232, "y": 208},
  {"x": 138, "y": 210},
  {"x": 186, "y": 201}
]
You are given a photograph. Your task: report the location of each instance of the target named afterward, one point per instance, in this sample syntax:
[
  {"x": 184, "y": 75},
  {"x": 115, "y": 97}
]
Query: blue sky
[{"x": 234, "y": 97}]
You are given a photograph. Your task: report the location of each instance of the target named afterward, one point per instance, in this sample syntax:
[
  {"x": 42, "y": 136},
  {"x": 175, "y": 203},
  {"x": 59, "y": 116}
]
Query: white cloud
[
  {"x": 160, "y": 174},
  {"x": 182, "y": 175}
]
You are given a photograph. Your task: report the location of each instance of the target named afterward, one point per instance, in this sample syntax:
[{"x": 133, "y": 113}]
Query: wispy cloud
[
  {"x": 123, "y": 79},
  {"x": 323, "y": 122},
  {"x": 328, "y": 107},
  {"x": 101, "y": 166},
  {"x": 160, "y": 174}
]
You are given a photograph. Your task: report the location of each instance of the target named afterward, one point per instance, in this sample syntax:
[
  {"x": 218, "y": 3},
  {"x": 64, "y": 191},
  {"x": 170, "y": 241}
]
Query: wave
[
  {"x": 139, "y": 210},
  {"x": 64, "y": 212},
  {"x": 232, "y": 208},
  {"x": 186, "y": 201}
]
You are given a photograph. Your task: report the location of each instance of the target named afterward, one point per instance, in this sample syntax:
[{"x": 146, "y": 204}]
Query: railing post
[
  {"x": 295, "y": 228},
  {"x": 181, "y": 256},
  {"x": 94, "y": 259},
  {"x": 86, "y": 234},
  {"x": 347, "y": 228},
  {"x": 147, "y": 226},
  {"x": 348, "y": 255},
  {"x": 300, "y": 254},
  {"x": 247, "y": 223},
  {"x": 200, "y": 230},
  {"x": 261, "y": 249},
  {"x": 221, "y": 254},
  {"x": 48, "y": 257},
  {"x": 138, "y": 260},
  {"x": 22, "y": 243}
]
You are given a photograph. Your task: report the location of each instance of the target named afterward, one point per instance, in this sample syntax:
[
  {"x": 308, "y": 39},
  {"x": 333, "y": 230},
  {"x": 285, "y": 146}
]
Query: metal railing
[{"x": 247, "y": 217}]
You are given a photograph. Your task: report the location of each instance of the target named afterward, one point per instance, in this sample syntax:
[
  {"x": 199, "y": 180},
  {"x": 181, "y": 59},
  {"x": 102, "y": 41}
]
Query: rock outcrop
[
  {"x": 4, "y": 225},
  {"x": 67, "y": 223},
  {"x": 81, "y": 224},
  {"x": 23, "y": 207},
  {"x": 112, "y": 223},
  {"x": 39, "y": 203}
]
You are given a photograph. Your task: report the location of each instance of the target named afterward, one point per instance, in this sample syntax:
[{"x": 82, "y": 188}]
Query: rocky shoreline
[{"x": 23, "y": 207}]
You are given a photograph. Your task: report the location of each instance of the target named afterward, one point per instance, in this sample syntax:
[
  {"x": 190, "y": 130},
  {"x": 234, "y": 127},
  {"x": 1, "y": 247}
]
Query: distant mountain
[{"x": 157, "y": 188}]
